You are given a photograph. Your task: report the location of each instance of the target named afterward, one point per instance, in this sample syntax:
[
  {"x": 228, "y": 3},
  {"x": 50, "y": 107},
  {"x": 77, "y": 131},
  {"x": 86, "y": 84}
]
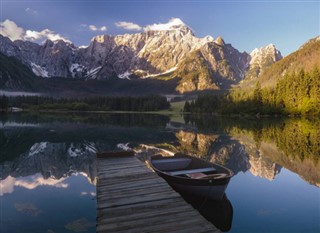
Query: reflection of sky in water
[
  {"x": 285, "y": 204},
  {"x": 35, "y": 204},
  {"x": 266, "y": 198}
]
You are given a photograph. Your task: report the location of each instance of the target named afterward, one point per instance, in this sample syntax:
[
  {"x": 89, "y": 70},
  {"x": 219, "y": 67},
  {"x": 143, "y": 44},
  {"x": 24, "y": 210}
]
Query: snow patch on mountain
[
  {"x": 76, "y": 68},
  {"x": 37, "y": 148},
  {"x": 124, "y": 146},
  {"x": 163, "y": 73},
  {"x": 39, "y": 71},
  {"x": 74, "y": 152},
  {"x": 92, "y": 73},
  {"x": 125, "y": 75}
]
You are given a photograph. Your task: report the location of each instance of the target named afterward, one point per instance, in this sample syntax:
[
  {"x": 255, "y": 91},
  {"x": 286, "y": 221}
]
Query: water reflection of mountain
[
  {"x": 262, "y": 146},
  {"x": 52, "y": 160},
  {"x": 228, "y": 151},
  {"x": 18, "y": 133},
  {"x": 57, "y": 146}
]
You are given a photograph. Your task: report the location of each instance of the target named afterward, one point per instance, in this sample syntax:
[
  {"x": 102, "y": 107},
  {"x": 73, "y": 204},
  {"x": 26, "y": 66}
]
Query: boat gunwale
[{"x": 195, "y": 182}]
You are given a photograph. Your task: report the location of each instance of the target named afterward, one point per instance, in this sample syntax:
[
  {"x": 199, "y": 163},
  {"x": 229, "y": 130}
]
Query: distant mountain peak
[
  {"x": 262, "y": 58},
  {"x": 219, "y": 41},
  {"x": 262, "y": 52}
]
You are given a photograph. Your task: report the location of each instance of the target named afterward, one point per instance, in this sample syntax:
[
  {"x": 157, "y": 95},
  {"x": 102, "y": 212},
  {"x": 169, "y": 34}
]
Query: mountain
[
  {"x": 215, "y": 65},
  {"x": 306, "y": 57},
  {"x": 198, "y": 63},
  {"x": 16, "y": 76},
  {"x": 261, "y": 59}
]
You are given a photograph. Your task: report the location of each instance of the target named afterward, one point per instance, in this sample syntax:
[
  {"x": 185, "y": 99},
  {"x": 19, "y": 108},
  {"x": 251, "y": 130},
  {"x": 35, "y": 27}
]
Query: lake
[{"x": 48, "y": 168}]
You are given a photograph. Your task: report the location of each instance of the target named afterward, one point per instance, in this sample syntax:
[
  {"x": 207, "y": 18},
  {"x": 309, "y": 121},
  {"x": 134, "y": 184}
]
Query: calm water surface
[{"x": 48, "y": 168}]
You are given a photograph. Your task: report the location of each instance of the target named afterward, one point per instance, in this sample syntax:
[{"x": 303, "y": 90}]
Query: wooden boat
[{"x": 192, "y": 175}]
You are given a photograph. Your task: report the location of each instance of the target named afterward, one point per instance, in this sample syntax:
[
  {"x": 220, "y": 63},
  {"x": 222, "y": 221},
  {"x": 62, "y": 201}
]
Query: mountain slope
[
  {"x": 199, "y": 63},
  {"x": 215, "y": 65},
  {"x": 261, "y": 59},
  {"x": 306, "y": 57},
  {"x": 16, "y": 76}
]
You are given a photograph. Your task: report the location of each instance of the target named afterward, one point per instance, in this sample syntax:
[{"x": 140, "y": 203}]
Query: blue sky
[{"x": 244, "y": 24}]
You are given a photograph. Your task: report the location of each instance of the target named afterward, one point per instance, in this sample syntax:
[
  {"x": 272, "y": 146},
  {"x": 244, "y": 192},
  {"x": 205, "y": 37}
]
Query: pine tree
[{"x": 4, "y": 102}]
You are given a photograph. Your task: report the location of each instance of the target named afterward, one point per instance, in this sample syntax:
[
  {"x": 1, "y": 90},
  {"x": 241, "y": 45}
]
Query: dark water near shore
[{"x": 48, "y": 168}]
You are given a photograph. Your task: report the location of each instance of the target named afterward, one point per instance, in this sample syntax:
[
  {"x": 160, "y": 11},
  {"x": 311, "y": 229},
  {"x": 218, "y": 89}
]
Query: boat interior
[{"x": 188, "y": 168}]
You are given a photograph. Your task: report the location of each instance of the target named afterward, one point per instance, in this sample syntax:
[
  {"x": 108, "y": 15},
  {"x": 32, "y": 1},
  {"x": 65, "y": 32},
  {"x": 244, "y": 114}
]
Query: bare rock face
[
  {"x": 8, "y": 48},
  {"x": 260, "y": 59},
  {"x": 215, "y": 65},
  {"x": 263, "y": 166},
  {"x": 200, "y": 63},
  {"x": 141, "y": 54},
  {"x": 196, "y": 143}
]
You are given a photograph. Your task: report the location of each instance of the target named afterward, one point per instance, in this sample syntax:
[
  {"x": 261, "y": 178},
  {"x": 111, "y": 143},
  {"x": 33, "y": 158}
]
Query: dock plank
[{"x": 131, "y": 198}]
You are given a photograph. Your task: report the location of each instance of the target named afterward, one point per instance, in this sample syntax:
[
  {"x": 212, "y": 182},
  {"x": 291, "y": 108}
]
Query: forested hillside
[{"x": 294, "y": 94}]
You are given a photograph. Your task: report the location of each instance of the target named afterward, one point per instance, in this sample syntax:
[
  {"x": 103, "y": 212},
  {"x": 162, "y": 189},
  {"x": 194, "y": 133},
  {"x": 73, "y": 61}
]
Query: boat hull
[
  {"x": 213, "y": 192},
  {"x": 211, "y": 188}
]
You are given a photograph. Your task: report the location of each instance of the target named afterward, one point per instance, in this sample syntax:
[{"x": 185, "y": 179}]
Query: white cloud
[
  {"x": 43, "y": 35},
  {"x": 93, "y": 194},
  {"x": 31, "y": 11},
  {"x": 103, "y": 28},
  {"x": 94, "y": 28},
  {"x": 170, "y": 25},
  {"x": 174, "y": 22},
  {"x": 37, "y": 180},
  {"x": 10, "y": 29},
  {"x": 7, "y": 185},
  {"x": 128, "y": 25}
]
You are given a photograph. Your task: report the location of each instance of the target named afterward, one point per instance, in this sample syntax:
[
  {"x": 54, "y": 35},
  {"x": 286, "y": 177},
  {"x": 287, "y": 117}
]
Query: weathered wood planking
[{"x": 133, "y": 199}]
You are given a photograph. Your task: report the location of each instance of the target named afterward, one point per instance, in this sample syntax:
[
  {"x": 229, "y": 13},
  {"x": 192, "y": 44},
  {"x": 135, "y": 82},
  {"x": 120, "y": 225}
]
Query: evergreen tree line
[
  {"x": 4, "y": 103},
  {"x": 145, "y": 103},
  {"x": 294, "y": 94}
]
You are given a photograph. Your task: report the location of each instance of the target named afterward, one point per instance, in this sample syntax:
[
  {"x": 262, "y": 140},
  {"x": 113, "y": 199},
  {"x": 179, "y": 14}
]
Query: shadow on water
[{"x": 219, "y": 213}]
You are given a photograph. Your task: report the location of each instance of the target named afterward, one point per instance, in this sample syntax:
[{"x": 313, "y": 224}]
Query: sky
[{"x": 246, "y": 24}]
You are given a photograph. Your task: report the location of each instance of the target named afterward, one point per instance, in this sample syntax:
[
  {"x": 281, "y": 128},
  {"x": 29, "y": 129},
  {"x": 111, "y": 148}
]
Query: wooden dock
[{"x": 131, "y": 198}]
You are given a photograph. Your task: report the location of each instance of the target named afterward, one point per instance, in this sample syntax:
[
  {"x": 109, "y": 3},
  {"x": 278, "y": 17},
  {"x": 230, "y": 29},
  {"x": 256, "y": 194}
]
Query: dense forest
[
  {"x": 145, "y": 103},
  {"x": 294, "y": 94}
]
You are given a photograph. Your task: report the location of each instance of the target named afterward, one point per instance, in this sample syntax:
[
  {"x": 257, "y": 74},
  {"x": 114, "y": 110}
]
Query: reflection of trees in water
[
  {"x": 21, "y": 131},
  {"x": 115, "y": 119},
  {"x": 291, "y": 143},
  {"x": 222, "y": 149}
]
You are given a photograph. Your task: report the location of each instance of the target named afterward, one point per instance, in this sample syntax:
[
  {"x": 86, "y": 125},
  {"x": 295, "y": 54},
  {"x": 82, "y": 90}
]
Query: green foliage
[
  {"x": 305, "y": 58},
  {"x": 145, "y": 103},
  {"x": 294, "y": 94}
]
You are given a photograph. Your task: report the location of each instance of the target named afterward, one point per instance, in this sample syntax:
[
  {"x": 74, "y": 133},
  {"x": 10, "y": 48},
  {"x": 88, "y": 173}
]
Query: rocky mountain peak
[
  {"x": 219, "y": 41},
  {"x": 170, "y": 48},
  {"x": 266, "y": 51},
  {"x": 260, "y": 59}
]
